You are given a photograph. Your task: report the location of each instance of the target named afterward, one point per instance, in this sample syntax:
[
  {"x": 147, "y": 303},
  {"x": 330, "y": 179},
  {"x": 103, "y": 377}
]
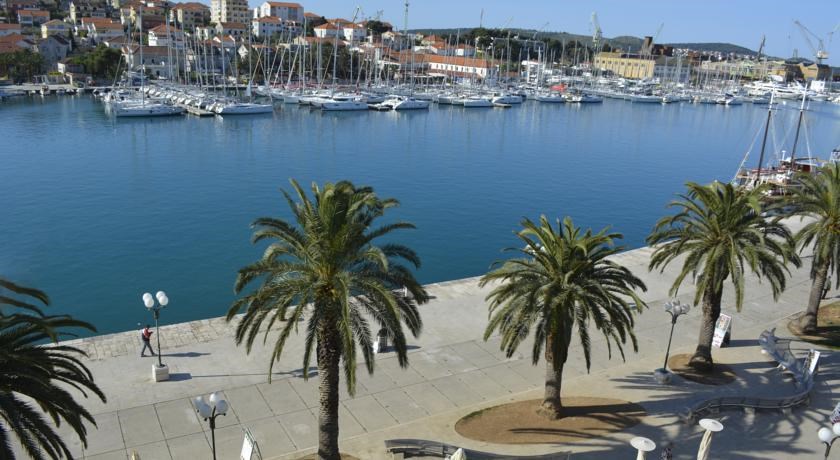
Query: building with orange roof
[
  {"x": 54, "y": 27},
  {"x": 188, "y": 15},
  {"x": 9, "y": 29},
  {"x": 230, "y": 11},
  {"x": 30, "y": 18},
  {"x": 327, "y": 30}
]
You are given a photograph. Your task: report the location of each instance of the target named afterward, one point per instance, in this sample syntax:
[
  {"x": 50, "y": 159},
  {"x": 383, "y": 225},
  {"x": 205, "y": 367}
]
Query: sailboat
[{"x": 143, "y": 107}]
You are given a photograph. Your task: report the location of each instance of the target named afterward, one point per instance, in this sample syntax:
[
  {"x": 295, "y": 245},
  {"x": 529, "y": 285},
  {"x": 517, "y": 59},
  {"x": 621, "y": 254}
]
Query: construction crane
[
  {"x": 596, "y": 33},
  {"x": 820, "y": 53}
]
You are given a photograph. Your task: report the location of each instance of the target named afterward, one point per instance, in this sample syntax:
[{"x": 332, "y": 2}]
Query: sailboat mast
[
  {"x": 764, "y": 141},
  {"x": 798, "y": 126}
]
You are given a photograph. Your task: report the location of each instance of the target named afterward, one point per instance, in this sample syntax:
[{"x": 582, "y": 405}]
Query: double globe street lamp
[
  {"x": 676, "y": 309},
  {"x": 213, "y": 407},
  {"x": 159, "y": 372},
  {"x": 828, "y": 436}
]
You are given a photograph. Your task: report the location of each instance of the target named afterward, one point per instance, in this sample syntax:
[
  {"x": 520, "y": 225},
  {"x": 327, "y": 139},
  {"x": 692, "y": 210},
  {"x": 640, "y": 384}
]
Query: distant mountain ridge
[{"x": 625, "y": 42}]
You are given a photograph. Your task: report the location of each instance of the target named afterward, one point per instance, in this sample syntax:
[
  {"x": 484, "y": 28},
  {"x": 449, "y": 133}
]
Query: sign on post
[
  {"x": 722, "y": 326},
  {"x": 835, "y": 416},
  {"x": 250, "y": 449}
]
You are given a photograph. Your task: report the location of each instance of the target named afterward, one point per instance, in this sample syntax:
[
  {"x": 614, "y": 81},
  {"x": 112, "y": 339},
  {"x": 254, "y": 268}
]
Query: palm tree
[
  {"x": 326, "y": 263},
  {"x": 817, "y": 197},
  {"x": 41, "y": 372},
  {"x": 721, "y": 233},
  {"x": 563, "y": 281}
]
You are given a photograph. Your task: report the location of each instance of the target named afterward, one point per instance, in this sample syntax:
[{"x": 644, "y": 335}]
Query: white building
[
  {"x": 158, "y": 37},
  {"x": 327, "y": 30},
  {"x": 54, "y": 27},
  {"x": 229, "y": 11},
  {"x": 354, "y": 32},
  {"x": 9, "y": 29},
  {"x": 270, "y": 26},
  {"x": 283, "y": 10}
]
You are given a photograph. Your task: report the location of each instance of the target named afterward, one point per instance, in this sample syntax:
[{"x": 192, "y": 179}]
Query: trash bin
[{"x": 382, "y": 339}]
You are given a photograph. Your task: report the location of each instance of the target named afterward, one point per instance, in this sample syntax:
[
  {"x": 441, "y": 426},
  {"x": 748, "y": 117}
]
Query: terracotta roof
[
  {"x": 39, "y": 13},
  {"x": 149, "y": 50},
  {"x": 342, "y": 21},
  {"x": 54, "y": 22},
  {"x": 285, "y": 4},
  {"x": 191, "y": 6},
  {"x": 12, "y": 38},
  {"x": 9, "y": 48},
  {"x": 161, "y": 29},
  {"x": 108, "y": 26},
  {"x": 327, "y": 26},
  {"x": 9, "y": 26},
  {"x": 86, "y": 21},
  {"x": 233, "y": 25},
  {"x": 269, "y": 19},
  {"x": 312, "y": 15}
]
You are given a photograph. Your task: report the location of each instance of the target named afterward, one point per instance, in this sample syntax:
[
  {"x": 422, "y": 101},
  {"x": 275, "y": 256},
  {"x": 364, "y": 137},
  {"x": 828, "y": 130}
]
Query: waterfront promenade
[{"x": 452, "y": 373}]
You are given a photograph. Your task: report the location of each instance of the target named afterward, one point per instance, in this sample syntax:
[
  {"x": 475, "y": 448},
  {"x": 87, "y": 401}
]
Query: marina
[{"x": 121, "y": 201}]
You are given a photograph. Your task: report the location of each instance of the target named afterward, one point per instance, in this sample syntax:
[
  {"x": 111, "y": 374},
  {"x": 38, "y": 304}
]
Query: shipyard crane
[
  {"x": 820, "y": 53},
  {"x": 596, "y": 33}
]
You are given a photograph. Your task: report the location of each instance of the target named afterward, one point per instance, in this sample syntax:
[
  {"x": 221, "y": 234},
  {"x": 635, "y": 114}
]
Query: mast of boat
[
  {"x": 798, "y": 126},
  {"x": 335, "y": 59},
  {"x": 142, "y": 64},
  {"x": 764, "y": 140}
]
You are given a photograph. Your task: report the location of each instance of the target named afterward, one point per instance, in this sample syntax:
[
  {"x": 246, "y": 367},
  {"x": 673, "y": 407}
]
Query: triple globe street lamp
[
  {"x": 828, "y": 436},
  {"x": 676, "y": 309}
]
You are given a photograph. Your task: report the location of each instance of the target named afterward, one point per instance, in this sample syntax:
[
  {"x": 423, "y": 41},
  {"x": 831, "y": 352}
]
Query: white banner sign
[
  {"x": 722, "y": 326},
  {"x": 835, "y": 416}
]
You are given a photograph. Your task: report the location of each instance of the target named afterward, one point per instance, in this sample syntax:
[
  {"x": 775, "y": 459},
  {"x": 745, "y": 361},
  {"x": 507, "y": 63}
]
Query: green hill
[{"x": 624, "y": 42}]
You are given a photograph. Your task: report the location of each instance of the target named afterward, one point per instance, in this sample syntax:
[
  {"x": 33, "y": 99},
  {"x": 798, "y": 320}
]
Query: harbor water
[{"x": 97, "y": 210}]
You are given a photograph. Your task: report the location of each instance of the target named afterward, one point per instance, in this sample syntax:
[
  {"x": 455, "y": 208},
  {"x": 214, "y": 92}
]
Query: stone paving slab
[
  {"x": 153, "y": 451},
  {"x": 301, "y": 427},
  {"x": 370, "y": 414},
  {"x": 429, "y": 397},
  {"x": 281, "y": 397},
  {"x": 248, "y": 403},
  {"x": 192, "y": 446},
  {"x": 400, "y": 406},
  {"x": 455, "y": 391},
  {"x": 178, "y": 418}
]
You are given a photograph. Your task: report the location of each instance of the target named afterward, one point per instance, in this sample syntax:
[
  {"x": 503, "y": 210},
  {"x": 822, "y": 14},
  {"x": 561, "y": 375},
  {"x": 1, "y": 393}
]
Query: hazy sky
[{"x": 741, "y": 22}]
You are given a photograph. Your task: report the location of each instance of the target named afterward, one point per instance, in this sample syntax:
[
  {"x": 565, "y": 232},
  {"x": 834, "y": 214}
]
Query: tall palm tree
[
  {"x": 720, "y": 232},
  {"x": 326, "y": 263},
  {"x": 563, "y": 281},
  {"x": 33, "y": 370},
  {"x": 817, "y": 197}
]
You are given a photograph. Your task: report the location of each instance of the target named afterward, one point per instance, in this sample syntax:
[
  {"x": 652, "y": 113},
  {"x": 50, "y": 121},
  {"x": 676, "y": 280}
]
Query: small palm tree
[
  {"x": 33, "y": 370},
  {"x": 720, "y": 231},
  {"x": 326, "y": 264},
  {"x": 563, "y": 282},
  {"x": 817, "y": 197}
]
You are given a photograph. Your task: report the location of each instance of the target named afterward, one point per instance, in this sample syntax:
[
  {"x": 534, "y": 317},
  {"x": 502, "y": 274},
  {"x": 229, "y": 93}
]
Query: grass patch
[{"x": 828, "y": 327}]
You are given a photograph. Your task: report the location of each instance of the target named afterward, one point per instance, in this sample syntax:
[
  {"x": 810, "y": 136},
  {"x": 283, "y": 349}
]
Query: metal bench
[
  {"x": 802, "y": 371},
  {"x": 408, "y": 448}
]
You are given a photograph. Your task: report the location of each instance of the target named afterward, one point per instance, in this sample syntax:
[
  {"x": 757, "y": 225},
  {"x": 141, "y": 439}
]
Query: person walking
[{"x": 146, "y": 335}]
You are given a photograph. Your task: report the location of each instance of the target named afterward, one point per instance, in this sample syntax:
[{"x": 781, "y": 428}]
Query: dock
[{"x": 196, "y": 111}]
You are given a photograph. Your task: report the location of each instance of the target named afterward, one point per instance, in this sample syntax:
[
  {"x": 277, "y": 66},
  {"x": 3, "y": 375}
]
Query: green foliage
[
  {"x": 101, "y": 62},
  {"x": 312, "y": 23},
  {"x": 720, "y": 232},
  {"x": 45, "y": 373},
  {"x": 377, "y": 27},
  {"x": 21, "y": 66},
  {"x": 326, "y": 261},
  {"x": 817, "y": 197},
  {"x": 564, "y": 280}
]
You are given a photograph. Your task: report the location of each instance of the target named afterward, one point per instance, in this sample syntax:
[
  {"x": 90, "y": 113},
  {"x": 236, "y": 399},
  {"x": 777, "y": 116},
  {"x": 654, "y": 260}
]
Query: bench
[
  {"x": 408, "y": 448},
  {"x": 803, "y": 372}
]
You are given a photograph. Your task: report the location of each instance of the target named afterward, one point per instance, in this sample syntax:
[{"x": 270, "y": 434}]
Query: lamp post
[
  {"x": 209, "y": 410},
  {"x": 711, "y": 426},
  {"x": 161, "y": 372},
  {"x": 828, "y": 436},
  {"x": 642, "y": 446},
  {"x": 675, "y": 308}
]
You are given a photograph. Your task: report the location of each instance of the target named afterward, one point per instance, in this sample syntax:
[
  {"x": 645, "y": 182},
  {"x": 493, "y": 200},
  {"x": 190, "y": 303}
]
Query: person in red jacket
[{"x": 146, "y": 335}]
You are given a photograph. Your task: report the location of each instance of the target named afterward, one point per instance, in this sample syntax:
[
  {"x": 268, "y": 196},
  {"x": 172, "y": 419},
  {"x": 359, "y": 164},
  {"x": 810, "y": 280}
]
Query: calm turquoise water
[{"x": 97, "y": 211}]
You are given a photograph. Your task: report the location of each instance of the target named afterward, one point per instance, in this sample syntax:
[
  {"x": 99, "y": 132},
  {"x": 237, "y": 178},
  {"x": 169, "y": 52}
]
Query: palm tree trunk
[
  {"x": 808, "y": 321},
  {"x": 328, "y": 373},
  {"x": 552, "y": 407},
  {"x": 702, "y": 359}
]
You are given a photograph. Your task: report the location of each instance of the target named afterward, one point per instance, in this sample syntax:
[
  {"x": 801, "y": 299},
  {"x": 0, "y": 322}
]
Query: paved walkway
[{"x": 452, "y": 373}]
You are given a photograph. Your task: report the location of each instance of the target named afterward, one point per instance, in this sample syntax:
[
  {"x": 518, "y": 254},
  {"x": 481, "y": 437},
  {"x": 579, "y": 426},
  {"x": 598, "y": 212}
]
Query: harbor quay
[{"x": 452, "y": 372}]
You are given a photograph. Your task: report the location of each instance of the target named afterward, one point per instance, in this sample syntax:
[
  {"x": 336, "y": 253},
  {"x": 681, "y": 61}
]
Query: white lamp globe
[
  {"x": 163, "y": 301},
  {"x": 160, "y": 295},
  {"x": 146, "y": 297},
  {"x": 149, "y": 302},
  {"x": 825, "y": 435},
  {"x": 221, "y": 407},
  {"x": 215, "y": 397}
]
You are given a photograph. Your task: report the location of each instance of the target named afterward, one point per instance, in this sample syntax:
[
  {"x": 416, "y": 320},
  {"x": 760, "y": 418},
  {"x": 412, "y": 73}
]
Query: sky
[{"x": 741, "y": 22}]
